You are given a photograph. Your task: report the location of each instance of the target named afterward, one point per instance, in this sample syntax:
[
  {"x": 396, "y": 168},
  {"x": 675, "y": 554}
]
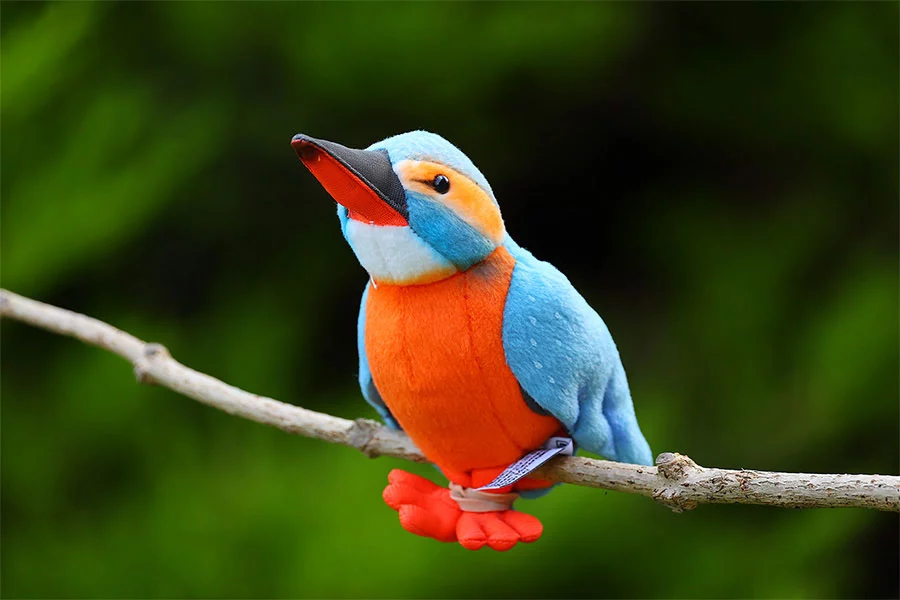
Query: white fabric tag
[{"x": 530, "y": 462}]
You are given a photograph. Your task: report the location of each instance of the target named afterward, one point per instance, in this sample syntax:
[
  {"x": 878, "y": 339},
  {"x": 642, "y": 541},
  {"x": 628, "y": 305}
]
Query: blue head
[{"x": 413, "y": 207}]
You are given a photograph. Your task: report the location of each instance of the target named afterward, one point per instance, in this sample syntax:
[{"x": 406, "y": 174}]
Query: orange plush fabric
[
  {"x": 465, "y": 198},
  {"x": 436, "y": 355}
]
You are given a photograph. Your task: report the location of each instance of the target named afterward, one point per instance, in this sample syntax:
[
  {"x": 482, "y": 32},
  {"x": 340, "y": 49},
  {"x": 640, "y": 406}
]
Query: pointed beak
[{"x": 363, "y": 181}]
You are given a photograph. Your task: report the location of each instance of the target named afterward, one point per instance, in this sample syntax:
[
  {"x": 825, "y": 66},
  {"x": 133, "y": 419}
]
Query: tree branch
[{"x": 676, "y": 481}]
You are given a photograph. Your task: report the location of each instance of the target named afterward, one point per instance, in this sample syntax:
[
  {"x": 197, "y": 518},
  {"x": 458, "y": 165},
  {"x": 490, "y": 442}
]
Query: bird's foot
[
  {"x": 427, "y": 509},
  {"x": 500, "y": 530}
]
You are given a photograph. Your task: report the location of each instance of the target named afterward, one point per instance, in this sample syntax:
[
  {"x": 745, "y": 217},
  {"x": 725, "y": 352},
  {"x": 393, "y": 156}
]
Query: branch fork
[{"x": 676, "y": 470}]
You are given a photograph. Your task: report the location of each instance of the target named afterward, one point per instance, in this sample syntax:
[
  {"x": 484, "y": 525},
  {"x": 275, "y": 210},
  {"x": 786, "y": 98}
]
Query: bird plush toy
[{"x": 480, "y": 352}]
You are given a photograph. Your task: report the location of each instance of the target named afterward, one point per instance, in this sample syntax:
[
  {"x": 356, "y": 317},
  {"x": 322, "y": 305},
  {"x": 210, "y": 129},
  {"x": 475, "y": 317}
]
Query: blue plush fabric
[
  {"x": 424, "y": 145},
  {"x": 446, "y": 232},
  {"x": 563, "y": 355},
  {"x": 366, "y": 383}
]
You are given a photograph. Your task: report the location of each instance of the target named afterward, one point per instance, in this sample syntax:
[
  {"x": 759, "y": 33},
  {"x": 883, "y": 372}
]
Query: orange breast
[{"x": 436, "y": 355}]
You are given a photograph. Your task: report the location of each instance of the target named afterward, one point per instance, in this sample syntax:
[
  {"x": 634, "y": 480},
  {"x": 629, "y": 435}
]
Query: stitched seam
[
  {"x": 583, "y": 396},
  {"x": 407, "y": 359},
  {"x": 481, "y": 371}
]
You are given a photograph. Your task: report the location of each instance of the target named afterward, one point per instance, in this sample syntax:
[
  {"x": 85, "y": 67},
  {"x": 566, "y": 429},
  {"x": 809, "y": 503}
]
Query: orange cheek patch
[{"x": 465, "y": 198}]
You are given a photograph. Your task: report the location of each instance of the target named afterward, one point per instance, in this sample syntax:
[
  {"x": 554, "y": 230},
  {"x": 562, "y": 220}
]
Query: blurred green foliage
[{"x": 720, "y": 181}]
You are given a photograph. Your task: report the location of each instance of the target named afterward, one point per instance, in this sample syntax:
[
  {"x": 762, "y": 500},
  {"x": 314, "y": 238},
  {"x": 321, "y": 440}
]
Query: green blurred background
[{"x": 719, "y": 180}]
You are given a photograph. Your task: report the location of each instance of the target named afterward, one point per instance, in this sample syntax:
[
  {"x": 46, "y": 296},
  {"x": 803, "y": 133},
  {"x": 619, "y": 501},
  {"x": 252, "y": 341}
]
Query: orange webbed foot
[
  {"x": 500, "y": 530},
  {"x": 427, "y": 509}
]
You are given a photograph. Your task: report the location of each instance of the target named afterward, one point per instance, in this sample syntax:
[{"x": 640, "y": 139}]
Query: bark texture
[{"x": 676, "y": 481}]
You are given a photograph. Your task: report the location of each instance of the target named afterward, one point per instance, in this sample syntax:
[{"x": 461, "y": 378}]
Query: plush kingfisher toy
[{"x": 480, "y": 352}]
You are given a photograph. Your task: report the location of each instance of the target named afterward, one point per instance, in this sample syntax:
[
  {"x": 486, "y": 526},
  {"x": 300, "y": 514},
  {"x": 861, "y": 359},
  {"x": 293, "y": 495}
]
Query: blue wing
[
  {"x": 366, "y": 383},
  {"x": 565, "y": 359}
]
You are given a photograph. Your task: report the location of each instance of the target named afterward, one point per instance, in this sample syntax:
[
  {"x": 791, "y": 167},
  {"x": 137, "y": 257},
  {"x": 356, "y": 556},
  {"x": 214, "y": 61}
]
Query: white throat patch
[{"x": 396, "y": 255}]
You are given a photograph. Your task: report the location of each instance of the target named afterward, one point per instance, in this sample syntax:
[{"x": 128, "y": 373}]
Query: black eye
[{"x": 441, "y": 184}]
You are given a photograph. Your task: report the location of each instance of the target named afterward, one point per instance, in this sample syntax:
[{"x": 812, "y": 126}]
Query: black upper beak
[{"x": 361, "y": 180}]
